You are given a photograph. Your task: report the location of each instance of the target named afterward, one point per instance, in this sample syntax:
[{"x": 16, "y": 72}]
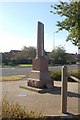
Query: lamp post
[{"x": 53, "y": 40}]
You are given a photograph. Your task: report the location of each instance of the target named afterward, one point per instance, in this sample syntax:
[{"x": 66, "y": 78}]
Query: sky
[{"x": 18, "y": 26}]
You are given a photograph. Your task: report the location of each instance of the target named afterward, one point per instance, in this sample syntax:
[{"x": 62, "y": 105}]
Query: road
[
  {"x": 15, "y": 71},
  {"x": 26, "y": 71}
]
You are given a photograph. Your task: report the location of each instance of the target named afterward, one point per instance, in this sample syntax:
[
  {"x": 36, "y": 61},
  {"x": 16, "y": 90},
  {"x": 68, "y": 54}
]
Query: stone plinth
[{"x": 39, "y": 77}]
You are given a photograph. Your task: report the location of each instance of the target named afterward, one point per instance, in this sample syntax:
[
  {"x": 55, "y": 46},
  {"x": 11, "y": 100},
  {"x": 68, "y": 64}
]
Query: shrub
[
  {"x": 75, "y": 73},
  {"x": 56, "y": 75},
  {"x": 13, "y": 111}
]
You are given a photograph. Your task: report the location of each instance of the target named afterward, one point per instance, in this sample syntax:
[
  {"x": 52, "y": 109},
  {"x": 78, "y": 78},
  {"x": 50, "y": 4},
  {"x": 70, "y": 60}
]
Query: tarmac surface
[
  {"x": 8, "y": 71},
  {"x": 48, "y": 103}
]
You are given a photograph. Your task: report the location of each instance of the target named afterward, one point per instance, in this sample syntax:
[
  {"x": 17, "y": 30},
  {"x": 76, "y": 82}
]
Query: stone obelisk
[
  {"x": 39, "y": 77},
  {"x": 40, "y": 40}
]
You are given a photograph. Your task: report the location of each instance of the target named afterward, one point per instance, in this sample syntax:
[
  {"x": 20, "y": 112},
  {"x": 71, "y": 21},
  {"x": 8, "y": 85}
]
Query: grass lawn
[
  {"x": 25, "y": 65},
  {"x": 12, "y": 78},
  {"x": 78, "y": 62},
  {"x": 18, "y": 65}
]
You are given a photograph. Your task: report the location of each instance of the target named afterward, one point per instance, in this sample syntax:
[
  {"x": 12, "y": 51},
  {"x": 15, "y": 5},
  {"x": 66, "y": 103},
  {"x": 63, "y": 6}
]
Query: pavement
[{"x": 49, "y": 103}]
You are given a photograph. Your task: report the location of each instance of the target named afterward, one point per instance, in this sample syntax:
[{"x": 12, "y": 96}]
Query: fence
[{"x": 64, "y": 79}]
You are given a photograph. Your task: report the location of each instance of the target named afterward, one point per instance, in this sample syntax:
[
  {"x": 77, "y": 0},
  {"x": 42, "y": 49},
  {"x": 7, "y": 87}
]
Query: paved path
[{"x": 48, "y": 103}]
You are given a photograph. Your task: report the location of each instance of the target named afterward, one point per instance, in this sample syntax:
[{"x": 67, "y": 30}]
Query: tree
[
  {"x": 71, "y": 22},
  {"x": 29, "y": 52},
  {"x": 26, "y": 53},
  {"x": 58, "y": 56},
  {"x": 70, "y": 58}
]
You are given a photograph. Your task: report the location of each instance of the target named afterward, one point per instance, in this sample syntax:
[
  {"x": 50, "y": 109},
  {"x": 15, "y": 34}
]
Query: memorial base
[{"x": 40, "y": 79}]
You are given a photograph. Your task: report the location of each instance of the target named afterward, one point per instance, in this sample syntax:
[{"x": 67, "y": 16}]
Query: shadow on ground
[{"x": 57, "y": 90}]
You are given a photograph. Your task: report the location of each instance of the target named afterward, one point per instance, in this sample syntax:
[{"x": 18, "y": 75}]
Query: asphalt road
[
  {"x": 26, "y": 71},
  {"x": 16, "y": 71}
]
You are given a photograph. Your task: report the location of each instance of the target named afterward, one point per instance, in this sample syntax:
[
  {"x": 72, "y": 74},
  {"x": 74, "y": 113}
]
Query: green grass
[
  {"x": 78, "y": 62},
  {"x": 18, "y": 65},
  {"x": 12, "y": 78},
  {"x": 25, "y": 65}
]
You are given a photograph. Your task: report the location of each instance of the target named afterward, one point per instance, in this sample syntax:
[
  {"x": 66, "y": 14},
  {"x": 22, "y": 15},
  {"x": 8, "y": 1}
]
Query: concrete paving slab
[{"x": 49, "y": 103}]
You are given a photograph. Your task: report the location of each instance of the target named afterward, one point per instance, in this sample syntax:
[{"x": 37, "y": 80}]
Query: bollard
[{"x": 64, "y": 78}]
